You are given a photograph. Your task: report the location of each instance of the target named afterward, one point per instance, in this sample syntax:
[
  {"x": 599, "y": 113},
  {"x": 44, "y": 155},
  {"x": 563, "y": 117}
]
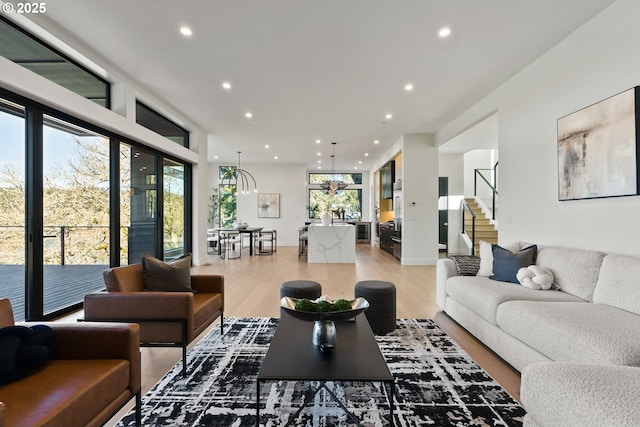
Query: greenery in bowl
[{"x": 322, "y": 306}]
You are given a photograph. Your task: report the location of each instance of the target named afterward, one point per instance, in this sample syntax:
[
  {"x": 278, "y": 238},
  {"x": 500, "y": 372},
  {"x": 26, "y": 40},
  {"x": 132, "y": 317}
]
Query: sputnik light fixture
[
  {"x": 242, "y": 177},
  {"x": 333, "y": 186}
]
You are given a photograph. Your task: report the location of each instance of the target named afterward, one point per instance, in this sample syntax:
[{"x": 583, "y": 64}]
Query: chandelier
[
  {"x": 242, "y": 178},
  {"x": 333, "y": 185}
]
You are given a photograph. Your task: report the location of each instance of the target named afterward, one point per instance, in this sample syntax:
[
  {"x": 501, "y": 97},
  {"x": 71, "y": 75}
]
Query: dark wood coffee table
[{"x": 293, "y": 357}]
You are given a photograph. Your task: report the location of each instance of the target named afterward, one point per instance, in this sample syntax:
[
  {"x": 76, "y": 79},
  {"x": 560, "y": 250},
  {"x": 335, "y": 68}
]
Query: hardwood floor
[
  {"x": 252, "y": 289},
  {"x": 252, "y": 284}
]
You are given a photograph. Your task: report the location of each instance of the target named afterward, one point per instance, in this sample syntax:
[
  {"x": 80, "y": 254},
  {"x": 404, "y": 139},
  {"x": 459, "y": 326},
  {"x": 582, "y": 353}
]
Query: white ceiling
[{"x": 310, "y": 69}]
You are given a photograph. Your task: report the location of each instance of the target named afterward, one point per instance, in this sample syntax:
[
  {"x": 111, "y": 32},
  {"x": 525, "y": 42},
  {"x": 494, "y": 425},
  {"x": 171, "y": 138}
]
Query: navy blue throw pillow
[
  {"x": 506, "y": 264},
  {"x": 24, "y": 350}
]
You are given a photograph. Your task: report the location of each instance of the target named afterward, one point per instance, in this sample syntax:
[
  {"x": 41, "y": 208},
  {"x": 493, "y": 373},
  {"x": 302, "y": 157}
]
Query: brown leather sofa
[
  {"x": 95, "y": 371},
  {"x": 166, "y": 319}
]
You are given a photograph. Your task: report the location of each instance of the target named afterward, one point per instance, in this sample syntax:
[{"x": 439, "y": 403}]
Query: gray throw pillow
[
  {"x": 172, "y": 276},
  {"x": 466, "y": 265}
]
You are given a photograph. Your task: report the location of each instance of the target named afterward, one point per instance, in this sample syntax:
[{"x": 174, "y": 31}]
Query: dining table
[{"x": 242, "y": 230}]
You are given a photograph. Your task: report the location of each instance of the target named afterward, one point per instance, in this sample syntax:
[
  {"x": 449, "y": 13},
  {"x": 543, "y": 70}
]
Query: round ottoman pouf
[
  {"x": 300, "y": 289},
  {"x": 381, "y": 296}
]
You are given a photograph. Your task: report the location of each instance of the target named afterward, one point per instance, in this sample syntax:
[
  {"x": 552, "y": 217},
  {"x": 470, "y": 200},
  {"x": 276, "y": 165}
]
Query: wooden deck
[{"x": 64, "y": 285}]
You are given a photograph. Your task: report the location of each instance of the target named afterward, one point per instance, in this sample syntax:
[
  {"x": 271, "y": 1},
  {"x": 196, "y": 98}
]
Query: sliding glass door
[
  {"x": 173, "y": 204},
  {"x": 75, "y": 202},
  {"x": 139, "y": 203},
  {"x": 12, "y": 206}
]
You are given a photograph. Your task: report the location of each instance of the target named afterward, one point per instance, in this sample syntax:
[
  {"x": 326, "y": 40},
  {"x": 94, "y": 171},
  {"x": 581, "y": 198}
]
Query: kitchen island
[{"x": 332, "y": 243}]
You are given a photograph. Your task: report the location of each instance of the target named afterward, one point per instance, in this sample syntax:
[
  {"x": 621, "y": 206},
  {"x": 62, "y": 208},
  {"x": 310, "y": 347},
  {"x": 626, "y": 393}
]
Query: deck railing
[{"x": 68, "y": 244}]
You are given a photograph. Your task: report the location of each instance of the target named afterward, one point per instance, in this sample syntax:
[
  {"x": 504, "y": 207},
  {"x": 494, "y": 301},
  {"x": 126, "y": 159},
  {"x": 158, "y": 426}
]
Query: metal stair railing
[
  {"x": 492, "y": 186},
  {"x": 464, "y": 206}
]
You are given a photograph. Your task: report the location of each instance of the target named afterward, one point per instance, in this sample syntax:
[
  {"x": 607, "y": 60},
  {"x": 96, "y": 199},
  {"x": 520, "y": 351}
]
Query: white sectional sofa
[{"x": 591, "y": 319}]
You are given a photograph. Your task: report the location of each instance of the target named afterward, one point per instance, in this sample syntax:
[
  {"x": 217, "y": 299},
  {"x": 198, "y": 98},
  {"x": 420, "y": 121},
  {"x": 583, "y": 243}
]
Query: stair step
[
  {"x": 485, "y": 230},
  {"x": 480, "y": 224}
]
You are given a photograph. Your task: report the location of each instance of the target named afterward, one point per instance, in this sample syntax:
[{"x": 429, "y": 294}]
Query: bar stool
[{"x": 303, "y": 240}]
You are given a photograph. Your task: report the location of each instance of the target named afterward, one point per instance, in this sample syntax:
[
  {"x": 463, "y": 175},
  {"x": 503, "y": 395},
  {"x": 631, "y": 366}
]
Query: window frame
[
  {"x": 107, "y": 84},
  {"x": 34, "y": 115},
  {"x": 184, "y": 133}
]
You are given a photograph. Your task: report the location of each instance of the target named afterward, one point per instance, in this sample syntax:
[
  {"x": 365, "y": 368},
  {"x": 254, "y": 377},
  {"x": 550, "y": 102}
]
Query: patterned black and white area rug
[{"x": 437, "y": 384}]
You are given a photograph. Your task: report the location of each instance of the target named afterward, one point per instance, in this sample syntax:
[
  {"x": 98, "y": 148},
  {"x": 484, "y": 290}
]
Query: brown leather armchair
[
  {"x": 94, "y": 372},
  {"x": 166, "y": 319}
]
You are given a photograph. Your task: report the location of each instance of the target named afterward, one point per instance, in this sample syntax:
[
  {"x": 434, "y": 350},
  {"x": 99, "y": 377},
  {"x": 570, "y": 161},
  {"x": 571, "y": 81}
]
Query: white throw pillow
[
  {"x": 486, "y": 256},
  {"x": 486, "y": 259}
]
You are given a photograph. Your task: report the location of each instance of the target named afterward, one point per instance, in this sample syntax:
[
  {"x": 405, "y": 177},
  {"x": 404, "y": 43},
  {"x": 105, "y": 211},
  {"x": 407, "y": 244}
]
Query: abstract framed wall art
[
  {"x": 598, "y": 149},
  {"x": 268, "y": 205}
]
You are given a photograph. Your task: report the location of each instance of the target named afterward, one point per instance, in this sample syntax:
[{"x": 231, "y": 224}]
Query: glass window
[
  {"x": 173, "y": 209},
  {"x": 22, "y": 48},
  {"x": 75, "y": 197},
  {"x": 347, "y": 178},
  {"x": 67, "y": 199},
  {"x": 228, "y": 196},
  {"x": 153, "y": 120},
  {"x": 138, "y": 203},
  {"x": 12, "y": 206},
  {"x": 346, "y": 205}
]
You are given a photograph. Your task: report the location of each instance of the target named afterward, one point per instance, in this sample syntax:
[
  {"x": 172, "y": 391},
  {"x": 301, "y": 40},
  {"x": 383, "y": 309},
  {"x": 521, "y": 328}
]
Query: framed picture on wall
[
  {"x": 598, "y": 149},
  {"x": 268, "y": 205}
]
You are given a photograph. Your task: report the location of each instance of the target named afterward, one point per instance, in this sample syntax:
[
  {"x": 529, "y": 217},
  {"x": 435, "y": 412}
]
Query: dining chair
[
  {"x": 231, "y": 244},
  {"x": 213, "y": 240},
  {"x": 265, "y": 235}
]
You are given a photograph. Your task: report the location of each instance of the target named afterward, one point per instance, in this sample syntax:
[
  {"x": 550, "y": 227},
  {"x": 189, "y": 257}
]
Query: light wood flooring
[{"x": 252, "y": 289}]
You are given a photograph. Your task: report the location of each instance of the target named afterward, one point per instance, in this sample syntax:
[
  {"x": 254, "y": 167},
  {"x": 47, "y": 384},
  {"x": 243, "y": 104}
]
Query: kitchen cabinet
[{"x": 387, "y": 232}]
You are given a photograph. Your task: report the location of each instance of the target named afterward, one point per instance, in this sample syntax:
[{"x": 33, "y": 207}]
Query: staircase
[{"x": 484, "y": 229}]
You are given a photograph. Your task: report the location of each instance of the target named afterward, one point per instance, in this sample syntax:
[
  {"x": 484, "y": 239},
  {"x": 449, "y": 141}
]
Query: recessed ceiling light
[
  {"x": 186, "y": 31},
  {"x": 319, "y": 167},
  {"x": 318, "y": 141},
  {"x": 366, "y": 154},
  {"x": 266, "y": 146},
  {"x": 319, "y": 161},
  {"x": 388, "y": 116},
  {"x": 444, "y": 32},
  {"x": 275, "y": 157},
  {"x": 408, "y": 87},
  {"x": 376, "y": 142},
  {"x": 355, "y": 167},
  {"x": 226, "y": 85},
  {"x": 248, "y": 115},
  {"x": 359, "y": 162},
  {"x": 318, "y": 154},
  {"x": 215, "y": 157}
]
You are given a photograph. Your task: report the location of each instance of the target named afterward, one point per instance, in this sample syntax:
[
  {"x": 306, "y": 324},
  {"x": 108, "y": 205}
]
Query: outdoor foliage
[
  {"x": 347, "y": 202},
  {"x": 76, "y": 206}
]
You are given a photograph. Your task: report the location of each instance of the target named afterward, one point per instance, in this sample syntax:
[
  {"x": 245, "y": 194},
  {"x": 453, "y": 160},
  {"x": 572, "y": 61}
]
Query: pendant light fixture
[
  {"x": 333, "y": 185},
  {"x": 242, "y": 177}
]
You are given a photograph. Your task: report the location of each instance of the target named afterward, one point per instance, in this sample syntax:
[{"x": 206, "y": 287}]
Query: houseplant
[{"x": 214, "y": 207}]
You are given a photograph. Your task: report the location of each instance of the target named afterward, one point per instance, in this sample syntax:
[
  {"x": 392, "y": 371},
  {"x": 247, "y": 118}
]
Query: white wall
[
  {"x": 419, "y": 174},
  {"x": 420, "y": 200},
  {"x": 598, "y": 60},
  {"x": 289, "y": 180}
]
